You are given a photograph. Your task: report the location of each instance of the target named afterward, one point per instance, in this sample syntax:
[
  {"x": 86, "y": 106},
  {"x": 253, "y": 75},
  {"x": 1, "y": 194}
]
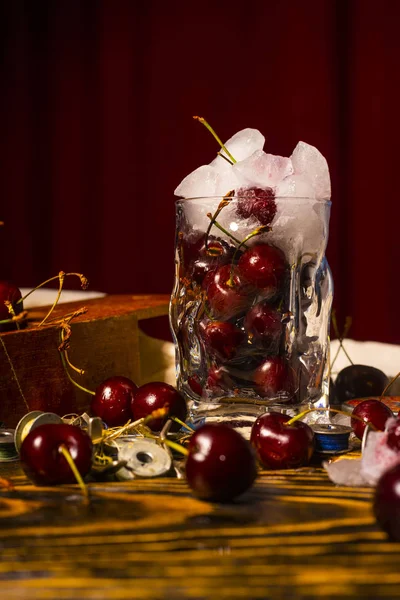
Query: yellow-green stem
[
  {"x": 389, "y": 384},
  {"x": 335, "y": 410},
  {"x": 211, "y": 130},
  {"x": 182, "y": 424},
  {"x": 65, "y": 452}
]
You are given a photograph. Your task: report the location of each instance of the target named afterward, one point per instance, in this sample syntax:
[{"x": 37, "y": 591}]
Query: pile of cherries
[{"x": 241, "y": 331}]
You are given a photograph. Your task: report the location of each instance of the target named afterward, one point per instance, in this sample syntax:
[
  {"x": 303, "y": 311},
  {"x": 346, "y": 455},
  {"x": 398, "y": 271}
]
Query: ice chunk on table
[
  {"x": 241, "y": 145},
  {"x": 199, "y": 183},
  {"x": 263, "y": 170},
  {"x": 309, "y": 161}
]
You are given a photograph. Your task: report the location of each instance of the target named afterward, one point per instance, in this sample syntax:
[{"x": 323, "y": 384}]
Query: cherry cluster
[{"x": 241, "y": 295}]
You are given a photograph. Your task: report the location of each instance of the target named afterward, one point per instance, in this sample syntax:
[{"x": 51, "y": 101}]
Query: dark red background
[{"x": 96, "y": 131}]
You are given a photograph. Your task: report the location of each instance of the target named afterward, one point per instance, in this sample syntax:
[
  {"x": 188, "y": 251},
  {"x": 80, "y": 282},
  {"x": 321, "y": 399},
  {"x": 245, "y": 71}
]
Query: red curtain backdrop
[{"x": 96, "y": 131}]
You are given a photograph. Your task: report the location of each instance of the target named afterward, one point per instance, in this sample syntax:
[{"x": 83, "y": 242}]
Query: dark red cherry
[
  {"x": 282, "y": 446},
  {"x": 112, "y": 401},
  {"x": 275, "y": 378},
  {"x": 263, "y": 322},
  {"x": 195, "y": 385},
  {"x": 9, "y": 293},
  {"x": 256, "y": 202},
  {"x": 264, "y": 266},
  {"x": 200, "y": 258},
  {"x": 359, "y": 381},
  {"x": 41, "y": 457},
  {"x": 222, "y": 338},
  {"x": 226, "y": 296},
  {"x": 218, "y": 379},
  {"x": 373, "y": 411},
  {"x": 221, "y": 463},
  {"x": 154, "y": 395},
  {"x": 386, "y": 504}
]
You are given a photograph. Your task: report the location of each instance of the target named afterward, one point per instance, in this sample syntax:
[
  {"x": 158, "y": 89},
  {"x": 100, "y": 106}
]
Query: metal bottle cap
[
  {"x": 30, "y": 421},
  {"x": 144, "y": 458}
]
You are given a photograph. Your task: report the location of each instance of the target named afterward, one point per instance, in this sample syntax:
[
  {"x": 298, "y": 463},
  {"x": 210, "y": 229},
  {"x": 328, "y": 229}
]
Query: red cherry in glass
[
  {"x": 226, "y": 297},
  {"x": 200, "y": 258},
  {"x": 222, "y": 338},
  {"x": 112, "y": 401},
  {"x": 154, "y": 395},
  {"x": 41, "y": 457},
  {"x": 282, "y": 446},
  {"x": 263, "y": 322},
  {"x": 386, "y": 504},
  {"x": 274, "y": 377},
  {"x": 256, "y": 202},
  {"x": 195, "y": 385},
  {"x": 264, "y": 266},
  {"x": 373, "y": 411},
  {"x": 9, "y": 293},
  {"x": 393, "y": 435},
  {"x": 218, "y": 378},
  {"x": 221, "y": 464}
]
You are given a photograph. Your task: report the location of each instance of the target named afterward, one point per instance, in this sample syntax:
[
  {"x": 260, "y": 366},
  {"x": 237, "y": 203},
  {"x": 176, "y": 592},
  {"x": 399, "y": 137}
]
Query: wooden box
[{"x": 104, "y": 342}]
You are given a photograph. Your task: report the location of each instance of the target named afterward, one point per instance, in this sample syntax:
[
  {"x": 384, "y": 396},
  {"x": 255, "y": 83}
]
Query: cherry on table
[
  {"x": 222, "y": 338},
  {"x": 282, "y": 446},
  {"x": 386, "y": 505},
  {"x": 256, "y": 202},
  {"x": 112, "y": 400},
  {"x": 264, "y": 266},
  {"x": 154, "y": 395},
  {"x": 41, "y": 457},
  {"x": 221, "y": 464},
  {"x": 373, "y": 411},
  {"x": 359, "y": 381},
  {"x": 273, "y": 377}
]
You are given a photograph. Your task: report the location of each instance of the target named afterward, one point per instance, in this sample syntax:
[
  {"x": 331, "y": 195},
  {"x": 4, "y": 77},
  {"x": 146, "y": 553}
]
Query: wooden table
[{"x": 294, "y": 535}]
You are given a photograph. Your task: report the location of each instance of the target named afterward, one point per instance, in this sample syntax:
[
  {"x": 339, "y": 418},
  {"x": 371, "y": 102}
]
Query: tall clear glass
[{"x": 250, "y": 308}]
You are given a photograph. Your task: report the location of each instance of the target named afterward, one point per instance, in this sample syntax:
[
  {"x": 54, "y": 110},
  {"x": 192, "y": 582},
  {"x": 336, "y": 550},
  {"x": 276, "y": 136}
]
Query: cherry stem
[
  {"x": 61, "y": 278},
  {"x": 83, "y": 279},
  {"x": 335, "y": 410},
  {"x": 16, "y": 319},
  {"x": 183, "y": 424},
  {"x": 224, "y": 202},
  {"x": 346, "y": 330},
  {"x": 65, "y": 365},
  {"x": 225, "y": 158},
  {"x": 389, "y": 384},
  {"x": 66, "y": 453},
  {"x": 259, "y": 231},
  {"x": 175, "y": 446},
  {"x": 211, "y": 130},
  {"x": 235, "y": 239}
]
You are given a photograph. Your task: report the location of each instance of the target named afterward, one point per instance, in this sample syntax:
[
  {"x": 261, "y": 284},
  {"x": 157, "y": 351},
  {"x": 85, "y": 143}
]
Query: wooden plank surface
[{"x": 293, "y": 535}]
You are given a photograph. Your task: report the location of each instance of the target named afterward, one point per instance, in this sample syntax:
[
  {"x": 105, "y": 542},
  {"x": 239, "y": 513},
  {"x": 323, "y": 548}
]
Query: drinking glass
[{"x": 250, "y": 308}]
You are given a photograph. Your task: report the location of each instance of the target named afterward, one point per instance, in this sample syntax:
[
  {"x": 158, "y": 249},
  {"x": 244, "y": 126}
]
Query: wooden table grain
[{"x": 293, "y": 535}]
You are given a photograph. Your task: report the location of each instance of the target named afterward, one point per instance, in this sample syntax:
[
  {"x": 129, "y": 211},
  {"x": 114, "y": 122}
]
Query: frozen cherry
[
  {"x": 256, "y": 202},
  {"x": 9, "y": 293},
  {"x": 393, "y": 435},
  {"x": 373, "y": 411},
  {"x": 112, "y": 401},
  {"x": 222, "y": 338},
  {"x": 264, "y": 266},
  {"x": 42, "y": 459},
  {"x": 221, "y": 464},
  {"x": 386, "y": 504},
  {"x": 274, "y": 377},
  {"x": 195, "y": 385},
  {"x": 154, "y": 395},
  {"x": 359, "y": 381},
  {"x": 263, "y": 322},
  {"x": 282, "y": 446},
  {"x": 218, "y": 379},
  {"x": 226, "y": 295}
]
